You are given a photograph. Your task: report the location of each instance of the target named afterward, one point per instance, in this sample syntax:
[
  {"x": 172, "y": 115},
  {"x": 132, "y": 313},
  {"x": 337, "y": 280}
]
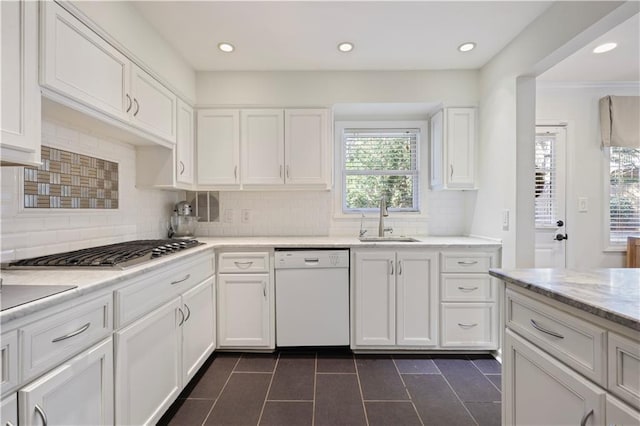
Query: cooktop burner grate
[{"x": 119, "y": 255}]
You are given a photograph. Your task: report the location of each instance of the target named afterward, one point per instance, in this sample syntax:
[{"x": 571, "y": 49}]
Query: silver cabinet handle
[
  {"x": 179, "y": 281},
  {"x": 182, "y": 320},
  {"x": 467, "y": 262},
  {"x": 188, "y": 312},
  {"x": 9, "y": 424},
  {"x": 235, "y": 172},
  {"x": 544, "y": 330},
  {"x": 391, "y": 263},
  {"x": 42, "y": 414},
  {"x": 468, "y": 289},
  {"x": 264, "y": 289},
  {"x": 135, "y": 101},
  {"x": 399, "y": 267},
  {"x": 244, "y": 265},
  {"x": 451, "y": 167},
  {"x": 182, "y": 168},
  {"x": 584, "y": 419},
  {"x": 467, "y": 325},
  {"x": 130, "y": 104},
  {"x": 287, "y": 171},
  {"x": 280, "y": 170},
  {"x": 73, "y": 333}
]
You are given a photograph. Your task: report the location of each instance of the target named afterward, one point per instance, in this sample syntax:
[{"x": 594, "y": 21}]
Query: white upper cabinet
[
  {"x": 218, "y": 147},
  {"x": 453, "y": 144},
  {"x": 87, "y": 70},
  {"x": 306, "y": 146},
  {"x": 262, "y": 145},
  {"x": 184, "y": 144},
  {"x": 20, "y": 142}
]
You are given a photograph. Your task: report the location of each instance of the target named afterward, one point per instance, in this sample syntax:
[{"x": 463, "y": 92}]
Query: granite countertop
[
  {"x": 90, "y": 280},
  {"x": 613, "y": 294}
]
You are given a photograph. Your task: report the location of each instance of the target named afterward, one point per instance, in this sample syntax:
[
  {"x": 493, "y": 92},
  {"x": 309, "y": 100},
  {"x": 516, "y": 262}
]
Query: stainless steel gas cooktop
[{"x": 120, "y": 255}]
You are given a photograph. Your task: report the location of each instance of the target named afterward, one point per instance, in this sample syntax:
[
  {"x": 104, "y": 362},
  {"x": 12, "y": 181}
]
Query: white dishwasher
[{"x": 312, "y": 297}]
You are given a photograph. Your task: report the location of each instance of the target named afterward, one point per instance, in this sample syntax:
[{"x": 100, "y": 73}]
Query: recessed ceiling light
[
  {"x": 605, "y": 47},
  {"x": 465, "y": 47},
  {"x": 345, "y": 46},
  {"x": 226, "y": 47}
]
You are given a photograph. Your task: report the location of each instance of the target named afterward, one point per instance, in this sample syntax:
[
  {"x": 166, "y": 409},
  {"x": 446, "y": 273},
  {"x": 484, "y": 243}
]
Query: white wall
[
  {"x": 310, "y": 212},
  {"x": 142, "y": 213},
  {"x": 122, "y": 21},
  {"x": 507, "y": 117},
  {"x": 578, "y": 105}
]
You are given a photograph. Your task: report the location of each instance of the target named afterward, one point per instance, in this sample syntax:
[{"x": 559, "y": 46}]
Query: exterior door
[{"x": 550, "y": 218}]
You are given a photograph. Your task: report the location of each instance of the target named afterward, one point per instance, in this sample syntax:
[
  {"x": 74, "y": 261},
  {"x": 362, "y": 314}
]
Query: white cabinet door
[
  {"x": 79, "y": 392},
  {"x": 460, "y": 147},
  {"x": 620, "y": 414},
  {"x": 218, "y": 147},
  {"x": 417, "y": 298},
  {"x": 184, "y": 144},
  {"x": 148, "y": 376},
  {"x": 20, "y": 142},
  {"x": 541, "y": 391},
  {"x": 437, "y": 150},
  {"x": 154, "y": 106},
  {"x": 78, "y": 63},
  {"x": 9, "y": 410},
  {"x": 244, "y": 314},
  {"x": 262, "y": 142},
  {"x": 198, "y": 328},
  {"x": 375, "y": 298},
  {"x": 306, "y": 146}
]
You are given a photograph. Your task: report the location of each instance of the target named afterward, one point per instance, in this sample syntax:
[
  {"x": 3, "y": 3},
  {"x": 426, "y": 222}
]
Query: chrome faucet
[{"x": 383, "y": 213}]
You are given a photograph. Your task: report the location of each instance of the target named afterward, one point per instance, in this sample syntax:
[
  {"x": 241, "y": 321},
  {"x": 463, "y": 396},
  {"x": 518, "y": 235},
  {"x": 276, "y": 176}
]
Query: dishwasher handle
[{"x": 311, "y": 260}]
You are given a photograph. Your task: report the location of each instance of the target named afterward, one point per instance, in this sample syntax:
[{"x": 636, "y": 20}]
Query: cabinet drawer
[
  {"x": 145, "y": 294},
  {"x": 466, "y": 262},
  {"x": 469, "y": 325},
  {"x": 579, "y": 344},
  {"x": 467, "y": 288},
  {"x": 234, "y": 263},
  {"x": 624, "y": 368},
  {"x": 9, "y": 361},
  {"x": 49, "y": 341}
]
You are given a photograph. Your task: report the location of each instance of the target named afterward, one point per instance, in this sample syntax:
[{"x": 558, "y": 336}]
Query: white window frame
[
  {"x": 608, "y": 245},
  {"x": 423, "y": 166}
]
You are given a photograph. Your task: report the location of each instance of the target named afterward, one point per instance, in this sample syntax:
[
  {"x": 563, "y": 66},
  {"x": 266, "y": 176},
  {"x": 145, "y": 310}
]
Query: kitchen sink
[{"x": 388, "y": 239}]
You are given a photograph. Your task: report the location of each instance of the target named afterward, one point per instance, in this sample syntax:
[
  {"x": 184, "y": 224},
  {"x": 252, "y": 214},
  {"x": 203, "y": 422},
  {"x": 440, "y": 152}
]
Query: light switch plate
[
  {"x": 228, "y": 216},
  {"x": 245, "y": 215},
  {"x": 505, "y": 220},
  {"x": 583, "y": 204}
]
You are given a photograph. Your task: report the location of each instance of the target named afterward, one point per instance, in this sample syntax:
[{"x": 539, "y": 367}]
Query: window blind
[
  {"x": 546, "y": 203},
  {"x": 624, "y": 193},
  {"x": 380, "y": 162}
]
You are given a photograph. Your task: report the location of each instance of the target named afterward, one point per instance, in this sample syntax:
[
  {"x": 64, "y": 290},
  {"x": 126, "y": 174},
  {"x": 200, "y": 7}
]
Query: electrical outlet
[
  {"x": 246, "y": 215},
  {"x": 228, "y": 216},
  {"x": 505, "y": 220},
  {"x": 583, "y": 204}
]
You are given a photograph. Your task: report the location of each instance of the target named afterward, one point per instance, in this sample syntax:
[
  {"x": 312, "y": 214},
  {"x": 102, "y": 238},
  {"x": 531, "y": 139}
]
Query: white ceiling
[
  {"x": 620, "y": 64},
  {"x": 303, "y": 35}
]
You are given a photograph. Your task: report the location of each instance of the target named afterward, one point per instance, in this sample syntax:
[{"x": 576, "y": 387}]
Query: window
[
  {"x": 546, "y": 204},
  {"x": 380, "y": 162},
  {"x": 624, "y": 194}
]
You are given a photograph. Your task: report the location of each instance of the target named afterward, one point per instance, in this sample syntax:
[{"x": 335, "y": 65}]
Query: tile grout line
[
  {"x": 266, "y": 397},
  {"x": 364, "y": 407},
  {"x": 315, "y": 383},
  {"x": 458, "y": 397},
  {"x": 221, "y": 390},
  {"x": 415, "y": 409},
  {"x": 485, "y": 376}
]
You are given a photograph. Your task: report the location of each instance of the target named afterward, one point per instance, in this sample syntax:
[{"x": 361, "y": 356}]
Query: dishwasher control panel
[{"x": 297, "y": 259}]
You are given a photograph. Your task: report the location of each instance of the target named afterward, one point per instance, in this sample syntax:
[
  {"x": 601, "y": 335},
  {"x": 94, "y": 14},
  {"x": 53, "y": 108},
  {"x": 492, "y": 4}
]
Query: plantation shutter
[
  {"x": 624, "y": 194},
  {"x": 546, "y": 203},
  {"x": 381, "y": 162}
]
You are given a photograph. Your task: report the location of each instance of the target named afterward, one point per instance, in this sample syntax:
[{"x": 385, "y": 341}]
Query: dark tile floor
[{"x": 292, "y": 388}]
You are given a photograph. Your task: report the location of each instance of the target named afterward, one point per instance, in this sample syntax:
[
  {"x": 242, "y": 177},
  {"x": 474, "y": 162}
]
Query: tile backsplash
[{"x": 27, "y": 232}]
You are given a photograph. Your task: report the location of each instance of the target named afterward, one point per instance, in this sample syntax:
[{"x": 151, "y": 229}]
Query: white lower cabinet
[
  {"x": 395, "y": 298},
  {"x": 198, "y": 330},
  {"x": 78, "y": 392},
  {"x": 9, "y": 410},
  {"x": 542, "y": 391},
  {"x": 148, "y": 376},
  {"x": 244, "y": 311},
  {"x": 620, "y": 414}
]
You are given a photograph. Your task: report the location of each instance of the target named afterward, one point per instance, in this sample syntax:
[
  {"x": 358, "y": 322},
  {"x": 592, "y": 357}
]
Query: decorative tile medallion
[{"x": 71, "y": 181}]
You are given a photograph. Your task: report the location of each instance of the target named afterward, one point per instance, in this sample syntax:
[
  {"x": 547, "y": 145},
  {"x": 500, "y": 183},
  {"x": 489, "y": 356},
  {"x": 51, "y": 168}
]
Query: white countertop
[{"x": 90, "y": 280}]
